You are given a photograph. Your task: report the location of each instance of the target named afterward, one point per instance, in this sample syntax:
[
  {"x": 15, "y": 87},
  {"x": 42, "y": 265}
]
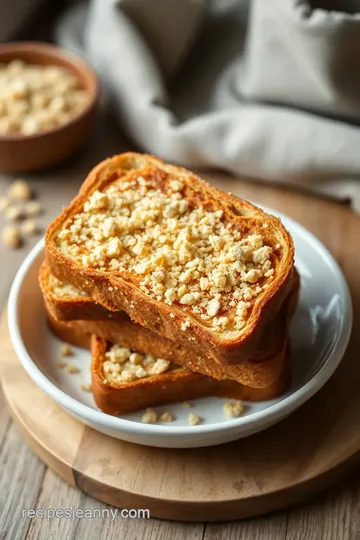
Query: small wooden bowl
[{"x": 38, "y": 151}]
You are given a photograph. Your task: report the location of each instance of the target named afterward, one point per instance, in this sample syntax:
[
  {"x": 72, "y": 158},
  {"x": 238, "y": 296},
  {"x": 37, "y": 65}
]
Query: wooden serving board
[{"x": 279, "y": 467}]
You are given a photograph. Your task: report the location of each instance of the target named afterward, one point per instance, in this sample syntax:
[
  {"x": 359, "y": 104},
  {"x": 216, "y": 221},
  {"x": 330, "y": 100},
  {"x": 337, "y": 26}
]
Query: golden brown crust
[
  {"x": 71, "y": 333},
  {"x": 250, "y": 373},
  {"x": 115, "y": 293},
  {"x": 260, "y": 371},
  {"x": 170, "y": 387},
  {"x": 69, "y": 308}
]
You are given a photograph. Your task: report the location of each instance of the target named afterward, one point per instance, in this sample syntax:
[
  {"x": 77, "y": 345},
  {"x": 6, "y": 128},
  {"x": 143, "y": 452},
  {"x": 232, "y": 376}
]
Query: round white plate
[{"x": 319, "y": 335}]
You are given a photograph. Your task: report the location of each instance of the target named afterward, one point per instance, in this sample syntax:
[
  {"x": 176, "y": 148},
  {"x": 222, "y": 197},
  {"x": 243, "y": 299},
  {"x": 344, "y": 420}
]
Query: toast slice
[
  {"x": 64, "y": 303},
  {"x": 185, "y": 260},
  {"x": 114, "y": 396},
  {"x": 174, "y": 385}
]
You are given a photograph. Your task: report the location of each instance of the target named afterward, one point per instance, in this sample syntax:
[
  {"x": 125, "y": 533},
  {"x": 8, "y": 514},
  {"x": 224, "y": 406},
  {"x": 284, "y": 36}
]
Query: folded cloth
[{"x": 263, "y": 89}]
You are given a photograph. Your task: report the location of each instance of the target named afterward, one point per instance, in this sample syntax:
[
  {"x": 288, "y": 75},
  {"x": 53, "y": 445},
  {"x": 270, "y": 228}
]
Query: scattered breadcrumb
[
  {"x": 149, "y": 416},
  {"x": 10, "y": 237},
  {"x": 233, "y": 408},
  {"x": 13, "y": 213},
  {"x": 4, "y": 203},
  {"x": 20, "y": 190},
  {"x": 194, "y": 419},
  {"x": 86, "y": 387},
  {"x": 187, "y": 404},
  {"x": 66, "y": 350},
  {"x": 166, "y": 417},
  {"x": 71, "y": 368},
  {"x": 30, "y": 227},
  {"x": 62, "y": 363},
  {"x": 33, "y": 208}
]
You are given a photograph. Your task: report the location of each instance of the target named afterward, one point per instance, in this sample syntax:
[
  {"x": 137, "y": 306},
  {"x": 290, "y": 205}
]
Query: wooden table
[{"x": 26, "y": 483}]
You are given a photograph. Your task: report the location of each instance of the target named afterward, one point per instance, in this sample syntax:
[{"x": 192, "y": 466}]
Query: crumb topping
[
  {"x": 30, "y": 227},
  {"x": 10, "y": 237},
  {"x": 13, "y": 213},
  {"x": 166, "y": 417},
  {"x": 33, "y": 208},
  {"x": 233, "y": 408},
  {"x": 176, "y": 253},
  {"x": 35, "y": 98},
  {"x": 66, "y": 350},
  {"x": 149, "y": 416},
  {"x": 194, "y": 419},
  {"x": 61, "y": 289},
  {"x": 71, "y": 368},
  {"x": 20, "y": 190},
  {"x": 62, "y": 364},
  {"x": 123, "y": 366},
  {"x": 5, "y": 202},
  {"x": 186, "y": 405}
]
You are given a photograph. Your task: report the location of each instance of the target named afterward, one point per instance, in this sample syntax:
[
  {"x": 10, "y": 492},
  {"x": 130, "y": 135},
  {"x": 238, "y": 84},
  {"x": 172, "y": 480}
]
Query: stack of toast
[{"x": 179, "y": 290}]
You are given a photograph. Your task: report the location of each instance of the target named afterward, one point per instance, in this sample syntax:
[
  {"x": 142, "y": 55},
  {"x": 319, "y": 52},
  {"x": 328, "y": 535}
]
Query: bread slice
[
  {"x": 174, "y": 385},
  {"x": 187, "y": 261},
  {"x": 64, "y": 303}
]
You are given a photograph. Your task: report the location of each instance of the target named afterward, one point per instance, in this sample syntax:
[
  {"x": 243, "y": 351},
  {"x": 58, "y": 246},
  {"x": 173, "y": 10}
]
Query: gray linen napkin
[{"x": 267, "y": 89}]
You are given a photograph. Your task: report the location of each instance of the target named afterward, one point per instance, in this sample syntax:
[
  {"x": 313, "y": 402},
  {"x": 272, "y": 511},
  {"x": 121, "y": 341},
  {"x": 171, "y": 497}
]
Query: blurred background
[
  {"x": 264, "y": 91},
  {"x": 269, "y": 90}
]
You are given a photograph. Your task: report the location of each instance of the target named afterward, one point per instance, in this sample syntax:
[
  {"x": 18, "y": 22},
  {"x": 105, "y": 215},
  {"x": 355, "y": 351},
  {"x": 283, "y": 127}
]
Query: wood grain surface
[{"x": 25, "y": 482}]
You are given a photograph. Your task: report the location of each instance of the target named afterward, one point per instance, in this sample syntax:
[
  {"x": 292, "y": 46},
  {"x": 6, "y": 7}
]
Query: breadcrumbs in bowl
[{"x": 48, "y": 98}]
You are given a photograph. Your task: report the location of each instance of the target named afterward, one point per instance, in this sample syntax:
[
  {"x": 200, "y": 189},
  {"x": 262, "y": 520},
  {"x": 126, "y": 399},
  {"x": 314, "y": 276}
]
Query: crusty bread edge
[
  {"x": 80, "y": 307},
  {"x": 253, "y": 372},
  {"x": 170, "y": 387},
  {"x": 174, "y": 386},
  {"x": 249, "y": 373}
]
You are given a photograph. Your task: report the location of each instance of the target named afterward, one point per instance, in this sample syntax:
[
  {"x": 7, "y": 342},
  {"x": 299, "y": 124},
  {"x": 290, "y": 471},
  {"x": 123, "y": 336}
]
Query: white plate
[{"x": 320, "y": 333}]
